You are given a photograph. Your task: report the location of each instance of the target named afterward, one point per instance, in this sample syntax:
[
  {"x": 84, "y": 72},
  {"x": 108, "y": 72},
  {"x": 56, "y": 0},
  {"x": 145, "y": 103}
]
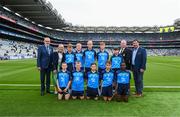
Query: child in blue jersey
[
  {"x": 123, "y": 77},
  {"x": 93, "y": 82},
  {"x": 69, "y": 58},
  {"x": 102, "y": 57},
  {"x": 79, "y": 55},
  {"x": 63, "y": 82},
  {"x": 78, "y": 82},
  {"x": 107, "y": 78},
  {"x": 89, "y": 56},
  {"x": 116, "y": 60}
]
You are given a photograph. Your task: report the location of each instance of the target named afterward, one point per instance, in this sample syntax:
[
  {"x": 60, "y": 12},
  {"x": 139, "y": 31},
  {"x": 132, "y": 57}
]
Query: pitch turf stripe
[
  {"x": 37, "y": 85},
  {"x": 15, "y": 72},
  {"x": 169, "y": 65}
]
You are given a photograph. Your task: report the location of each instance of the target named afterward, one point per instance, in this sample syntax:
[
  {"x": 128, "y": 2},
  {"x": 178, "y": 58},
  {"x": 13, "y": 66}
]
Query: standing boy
[
  {"x": 70, "y": 58},
  {"x": 116, "y": 60},
  {"x": 89, "y": 56},
  {"x": 79, "y": 55},
  {"x": 102, "y": 57}
]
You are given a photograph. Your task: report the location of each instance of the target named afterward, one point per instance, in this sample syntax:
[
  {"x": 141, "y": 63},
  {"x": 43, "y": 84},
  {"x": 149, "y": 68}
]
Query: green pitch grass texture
[{"x": 26, "y": 100}]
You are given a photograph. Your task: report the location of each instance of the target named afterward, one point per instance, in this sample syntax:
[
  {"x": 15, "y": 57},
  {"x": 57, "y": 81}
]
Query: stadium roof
[
  {"x": 44, "y": 15},
  {"x": 38, "y": 11},
  {"x": 112, "y": 29}
]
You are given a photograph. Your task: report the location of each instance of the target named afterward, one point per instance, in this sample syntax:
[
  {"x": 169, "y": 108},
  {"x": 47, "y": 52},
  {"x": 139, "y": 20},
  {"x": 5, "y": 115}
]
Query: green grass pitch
[{"x": 26, "y": 100}]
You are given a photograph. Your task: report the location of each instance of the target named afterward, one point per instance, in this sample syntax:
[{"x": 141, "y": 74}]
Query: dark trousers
[
  {"x": 45, "y": 75},
  {"x": 138, "y": 80}
]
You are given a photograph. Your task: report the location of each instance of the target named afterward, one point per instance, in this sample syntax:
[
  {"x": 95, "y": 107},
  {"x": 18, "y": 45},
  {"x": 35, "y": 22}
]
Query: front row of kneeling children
[{"x": 97, "y": 84}]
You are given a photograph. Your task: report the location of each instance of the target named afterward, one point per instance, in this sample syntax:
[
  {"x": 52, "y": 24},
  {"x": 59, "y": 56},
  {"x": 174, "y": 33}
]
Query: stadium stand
[
  {"x": 20, "y": 34},
  {"x": 16, "y": 50}
]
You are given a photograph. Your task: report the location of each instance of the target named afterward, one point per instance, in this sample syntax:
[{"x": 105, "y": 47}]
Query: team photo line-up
[{"x": 73, "y": 70}]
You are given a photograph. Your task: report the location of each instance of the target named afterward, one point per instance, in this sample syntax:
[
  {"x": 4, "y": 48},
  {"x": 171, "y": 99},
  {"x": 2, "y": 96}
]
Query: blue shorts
[
  {"x": 107, "y": 91},
  {"x": 123, "y": 89},
  {"x": 70, "y": 67},
  {"x": 64, "y": 93},
  {"x": 100, "y": 70},
  {"x": 92, "y": 92},
  {"x": 77, "y": 93}
]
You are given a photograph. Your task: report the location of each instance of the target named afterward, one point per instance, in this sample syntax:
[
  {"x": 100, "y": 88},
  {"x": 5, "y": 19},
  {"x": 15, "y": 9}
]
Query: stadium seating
[
  {"x": 20, "y": 38},
  {"x": 16, "y": 50}
]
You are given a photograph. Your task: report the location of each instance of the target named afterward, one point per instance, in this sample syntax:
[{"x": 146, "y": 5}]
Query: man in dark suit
[
  {"x": 44, "y": 64},
  {"x": 126, "y": 53},
  {"x": 139, "y": 57}
]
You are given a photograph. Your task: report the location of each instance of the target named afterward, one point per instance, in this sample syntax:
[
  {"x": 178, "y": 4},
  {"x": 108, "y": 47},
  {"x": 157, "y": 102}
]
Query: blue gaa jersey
[
  {"x": 102, "y": 58},
  {"x": 89, "y": 56},
  {"x": 107, "y": 77},
  {"x": 69, "y": 58},
  {"x": 79, "y": 57},
  {"x": 123, "y": 77},
  {"x": 116, "y": 61},
  {"x": 78, "y": 81},
  {"x": 63, "y": 78},
  {"x": 93, "y": 79}
]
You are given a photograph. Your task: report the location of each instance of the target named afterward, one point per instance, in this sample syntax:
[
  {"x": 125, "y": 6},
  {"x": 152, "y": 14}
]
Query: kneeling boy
[
  {"x": 78, "y": 82},
  {"x": 107, "y": 77},
  {"x": 63, "y": 82},
  {"x": 123, "y": 77},
  {"x": 93, "y": 82}
]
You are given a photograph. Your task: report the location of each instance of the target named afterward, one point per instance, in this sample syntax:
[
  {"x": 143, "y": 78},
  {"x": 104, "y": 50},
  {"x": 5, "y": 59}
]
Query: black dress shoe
[
  {"x": 50, "y": 92},
  {"x": 42, "y": 93}
]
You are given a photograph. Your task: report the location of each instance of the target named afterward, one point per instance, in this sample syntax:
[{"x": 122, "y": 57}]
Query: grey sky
[{"x": 118, "y": 12}]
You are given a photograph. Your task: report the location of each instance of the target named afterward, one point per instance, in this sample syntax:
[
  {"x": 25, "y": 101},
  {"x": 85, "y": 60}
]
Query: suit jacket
[
  {"x": 56, "y": 60},
  {"x": 140, "y": 59},
  {"x": 44, "y": 60},
  {"x": 127, "y": 53}
]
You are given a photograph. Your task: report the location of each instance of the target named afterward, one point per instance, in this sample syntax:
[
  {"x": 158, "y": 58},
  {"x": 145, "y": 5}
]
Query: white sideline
[{"x": 37, "y": 85}]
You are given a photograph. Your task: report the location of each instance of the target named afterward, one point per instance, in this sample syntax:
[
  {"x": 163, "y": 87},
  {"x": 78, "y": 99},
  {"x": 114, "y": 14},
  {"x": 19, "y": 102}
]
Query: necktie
[
  {"x": 122, "y": 49},
  {"x": 47, "y": 47}
]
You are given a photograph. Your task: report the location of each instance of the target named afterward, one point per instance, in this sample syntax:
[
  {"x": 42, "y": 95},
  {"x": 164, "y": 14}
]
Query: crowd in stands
[
  {"x": 10, "y": 49},
  {"x": 16, "y": 50}
]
